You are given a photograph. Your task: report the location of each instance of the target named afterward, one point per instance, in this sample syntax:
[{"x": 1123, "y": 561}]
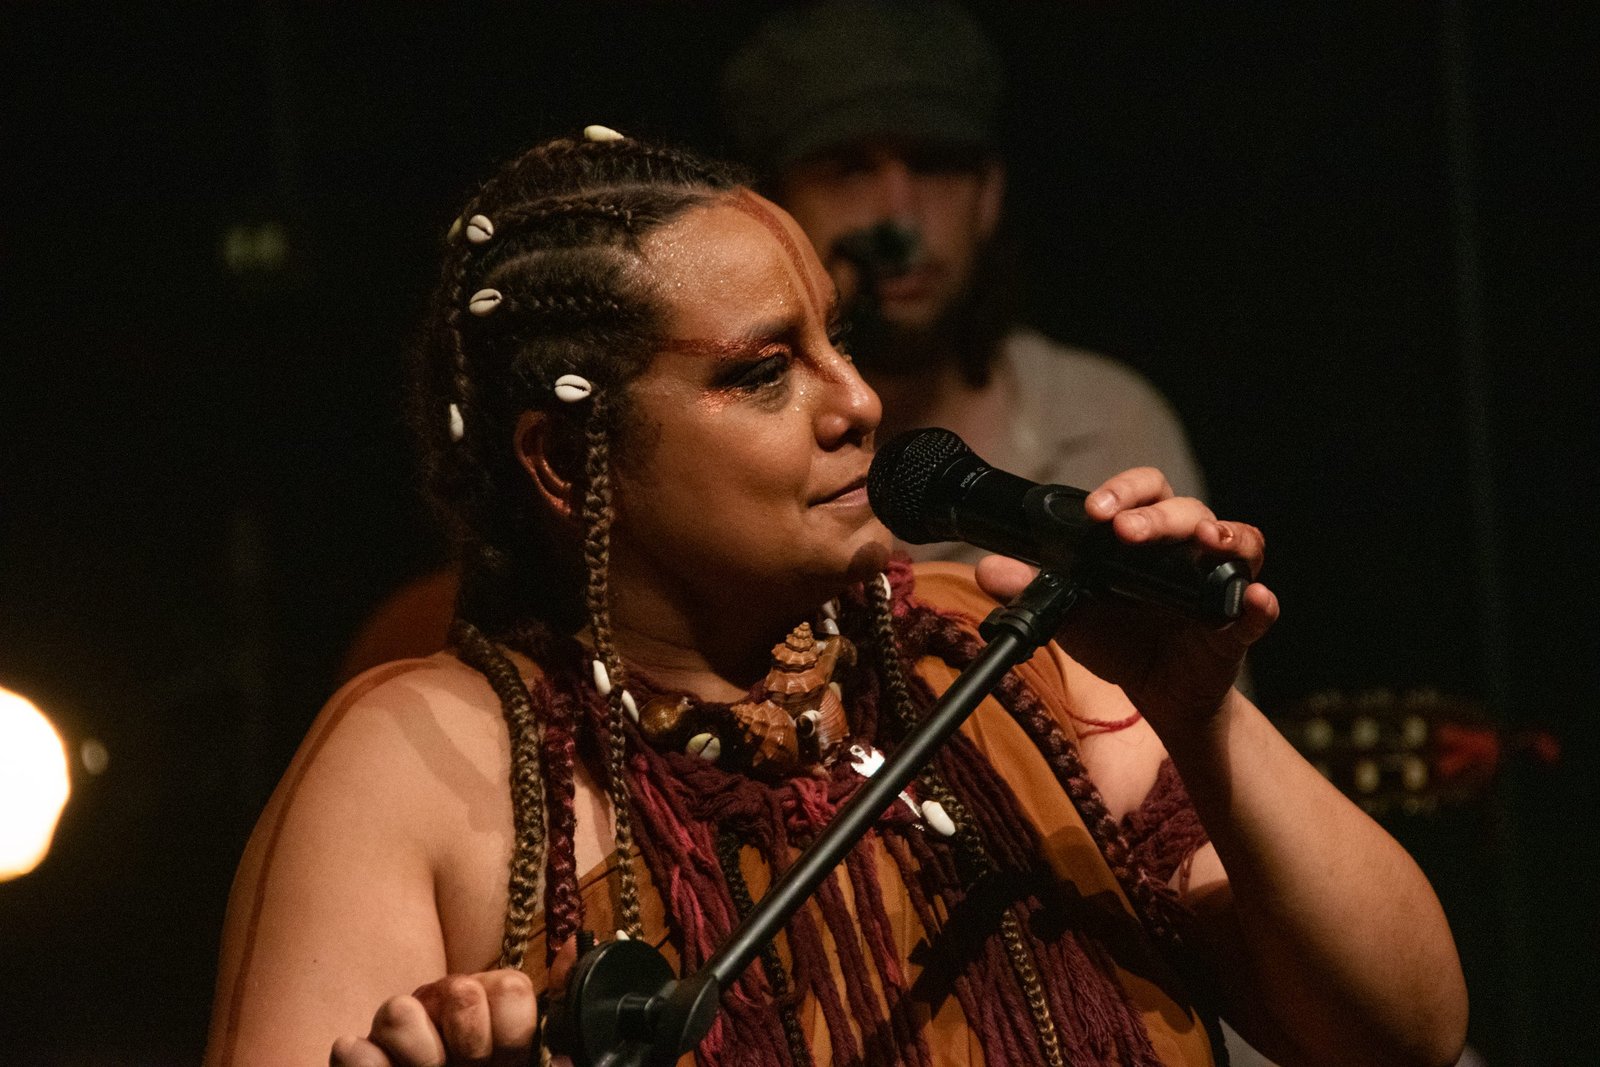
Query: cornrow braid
[{"x": 568, "y": 208}]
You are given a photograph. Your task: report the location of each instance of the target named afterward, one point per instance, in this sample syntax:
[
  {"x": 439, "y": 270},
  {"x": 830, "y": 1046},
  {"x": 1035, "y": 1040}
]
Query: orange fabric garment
[{"x": 1176, "y": 1032}]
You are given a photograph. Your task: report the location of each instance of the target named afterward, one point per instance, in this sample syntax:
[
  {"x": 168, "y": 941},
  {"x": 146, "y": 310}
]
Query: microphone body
[{"x": 927, "y": 485}]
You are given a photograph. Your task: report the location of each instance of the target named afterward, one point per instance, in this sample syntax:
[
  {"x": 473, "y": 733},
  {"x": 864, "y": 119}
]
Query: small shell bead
[
  {"x": 938, "y": 818},
  {"x": 479, "y": 229},
  {"x": 602, "y": 679},
  {"x": 601, "y": 133},
  {"x": 458, "y": 425},
  {"x": 484, "y": 301},
  {"x": 629, "y": 706},
  {"x": 707, "y": 746},
  {"x": 571, "y": 388}
]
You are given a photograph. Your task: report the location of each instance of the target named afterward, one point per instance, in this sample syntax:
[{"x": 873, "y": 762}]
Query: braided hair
[{"x": 566, "y": 219}]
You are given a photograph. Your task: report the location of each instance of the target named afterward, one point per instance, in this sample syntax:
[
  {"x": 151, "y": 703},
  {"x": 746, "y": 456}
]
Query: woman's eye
[{"x": 758, "y": 374}]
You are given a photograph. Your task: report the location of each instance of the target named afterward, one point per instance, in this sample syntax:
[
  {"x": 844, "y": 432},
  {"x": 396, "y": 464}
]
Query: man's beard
[{"x": 967, "y": 330}]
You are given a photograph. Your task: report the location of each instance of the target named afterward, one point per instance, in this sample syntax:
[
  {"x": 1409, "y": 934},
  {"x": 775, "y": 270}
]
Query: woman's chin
[{"x": 869, "y": 559}]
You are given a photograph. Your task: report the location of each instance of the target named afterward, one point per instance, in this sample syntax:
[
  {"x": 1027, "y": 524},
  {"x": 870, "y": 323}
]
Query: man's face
[{"x": 950, "y": 199}]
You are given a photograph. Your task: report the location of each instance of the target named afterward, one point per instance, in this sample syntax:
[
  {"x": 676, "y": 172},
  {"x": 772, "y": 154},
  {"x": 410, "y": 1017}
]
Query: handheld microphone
[{"x": 927, "y": 485}]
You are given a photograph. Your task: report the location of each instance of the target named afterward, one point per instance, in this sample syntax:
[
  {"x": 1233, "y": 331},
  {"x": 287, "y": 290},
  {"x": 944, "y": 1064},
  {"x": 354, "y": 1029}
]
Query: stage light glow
[{"x": 33, "y": 784}]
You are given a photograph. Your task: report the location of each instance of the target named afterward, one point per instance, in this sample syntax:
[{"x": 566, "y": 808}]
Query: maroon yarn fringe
[{"x": 681, "y": 806}]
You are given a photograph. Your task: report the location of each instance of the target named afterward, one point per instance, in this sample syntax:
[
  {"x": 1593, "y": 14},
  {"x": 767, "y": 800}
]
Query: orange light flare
[{"x": 34, "y": 784}]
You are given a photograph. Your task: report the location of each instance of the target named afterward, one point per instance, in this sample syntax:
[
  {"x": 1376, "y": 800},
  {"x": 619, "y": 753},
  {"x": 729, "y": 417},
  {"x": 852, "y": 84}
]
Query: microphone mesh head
[{"x": 902, "y": 482}]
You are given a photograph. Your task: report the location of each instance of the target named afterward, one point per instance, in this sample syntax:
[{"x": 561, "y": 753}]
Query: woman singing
[{"x": 682, "y": 643}]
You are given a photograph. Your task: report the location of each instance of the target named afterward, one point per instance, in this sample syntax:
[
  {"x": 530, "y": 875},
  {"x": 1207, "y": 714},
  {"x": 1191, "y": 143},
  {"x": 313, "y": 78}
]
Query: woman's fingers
[
  {"x": 1002, "y": 577},
  {"x": 357, "y": 1052},
  {"x": 1173, "y": 519},
  {"x": 513, "y": 1015},
  {"x": 1260, "y": 612},
  {"x": 1130, "y": 489},
  {"x": 486, "y": 1018},
  {"x": 459, "y": 1007},
  {"x": 1239, "y": 540},
  {"x": 403, "y": 1030}
]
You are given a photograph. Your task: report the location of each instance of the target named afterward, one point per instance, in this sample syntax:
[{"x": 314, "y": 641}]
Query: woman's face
[{"x": 752, "y": 430}]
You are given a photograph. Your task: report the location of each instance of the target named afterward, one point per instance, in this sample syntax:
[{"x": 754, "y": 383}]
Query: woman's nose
[{"x": 851, "y": 410}]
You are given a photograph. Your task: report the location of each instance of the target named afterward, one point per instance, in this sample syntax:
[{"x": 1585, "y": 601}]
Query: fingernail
[
  {"x": 1224, "y": 534},
  {"x": 1102, "y": 499},
  {"x": 1136, "y": 524}
]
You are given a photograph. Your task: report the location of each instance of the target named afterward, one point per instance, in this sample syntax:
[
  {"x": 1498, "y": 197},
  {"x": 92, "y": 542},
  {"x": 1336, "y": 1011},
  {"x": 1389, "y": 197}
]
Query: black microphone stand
[{"x": 624, "y": 1008}]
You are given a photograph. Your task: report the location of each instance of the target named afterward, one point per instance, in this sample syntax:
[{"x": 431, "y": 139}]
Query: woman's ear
[{"x": 538, "y": 453}]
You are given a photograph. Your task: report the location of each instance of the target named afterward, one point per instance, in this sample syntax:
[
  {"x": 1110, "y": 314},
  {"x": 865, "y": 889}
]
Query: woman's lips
[{"x": 854, "y": 494}]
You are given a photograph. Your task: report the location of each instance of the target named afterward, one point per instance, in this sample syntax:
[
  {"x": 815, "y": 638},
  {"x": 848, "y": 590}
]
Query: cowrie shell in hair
[
  {"x": 830, "y": 628},
  {"x": 629, "y": 706},
  {"x": 602, "y": 679},
  {"x": 938, "y": 818},
  {"x": 484, "y": 301},
  {"x": 458, "y": 426},
  {"x": 479, "y": 229},
  {"x": 601, "y": 133},
  {"x": 622, "y": 935},
  {"x": 883, "y": 580},
  {"x": 455, "y": 230},
  {"x": 573, "y": 388}
]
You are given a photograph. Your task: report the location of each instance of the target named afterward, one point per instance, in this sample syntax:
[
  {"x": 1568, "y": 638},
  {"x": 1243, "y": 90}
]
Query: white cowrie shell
[
  {"x": 479, "y": 229},
  {"x": 938, "y": 818},
  {"x": 602, "y": 679},
  {"x": 455, "y": 230},
  {"x": 601, "y": 133},
  {"x": 830, "y": 627},
  {"x": 572, "y": 388},
  {"x": 867, "y": 760},
  {"x": 883, "y": 581},
  {"x": 622, "y": 935},
  {"x": 629, "y": 706},
  {"x": 707, "y": 746},
  {"x": 484, "y": 301},
  {"x": 458, "y": 425}
]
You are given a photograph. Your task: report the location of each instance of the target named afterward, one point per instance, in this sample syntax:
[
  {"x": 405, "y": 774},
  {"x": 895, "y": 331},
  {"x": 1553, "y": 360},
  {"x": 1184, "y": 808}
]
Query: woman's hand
[
  {"x": 478, "y": 1019},
  {"x": 1176, "y": 671}
]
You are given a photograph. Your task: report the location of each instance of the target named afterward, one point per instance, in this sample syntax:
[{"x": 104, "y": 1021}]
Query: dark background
[{"x": 1354, "y": 246}]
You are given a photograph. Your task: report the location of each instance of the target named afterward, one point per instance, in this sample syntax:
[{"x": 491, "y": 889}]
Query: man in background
[{"x": 875, "y": 127}]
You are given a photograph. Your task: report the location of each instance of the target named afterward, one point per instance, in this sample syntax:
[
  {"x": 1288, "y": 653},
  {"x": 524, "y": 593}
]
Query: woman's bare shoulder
[{"x": 393, "y": 743}]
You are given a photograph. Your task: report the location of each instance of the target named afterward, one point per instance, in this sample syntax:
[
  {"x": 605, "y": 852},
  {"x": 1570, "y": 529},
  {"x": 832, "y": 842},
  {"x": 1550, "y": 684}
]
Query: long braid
[
  {"x": 527, "y": 785},
  {"x": 973, "y": 849},
  {"x": 597, "y": 515}
]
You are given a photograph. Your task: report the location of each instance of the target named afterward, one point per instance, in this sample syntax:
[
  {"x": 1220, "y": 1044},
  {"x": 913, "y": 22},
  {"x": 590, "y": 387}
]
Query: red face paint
[{"x": 745, "y": 202}]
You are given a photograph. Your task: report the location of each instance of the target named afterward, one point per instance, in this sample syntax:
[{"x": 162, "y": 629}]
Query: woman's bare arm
[
  {"x": 1325, "y": 939},
  {"x": 335, "y": 906}
]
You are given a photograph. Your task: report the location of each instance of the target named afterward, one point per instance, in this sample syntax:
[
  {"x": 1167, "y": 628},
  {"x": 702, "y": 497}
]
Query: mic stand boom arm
[{"x": 623, "y": 1008}]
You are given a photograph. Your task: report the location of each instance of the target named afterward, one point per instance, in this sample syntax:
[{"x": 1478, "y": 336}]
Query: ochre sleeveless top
[{"x": 1176, "y": 1032}]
